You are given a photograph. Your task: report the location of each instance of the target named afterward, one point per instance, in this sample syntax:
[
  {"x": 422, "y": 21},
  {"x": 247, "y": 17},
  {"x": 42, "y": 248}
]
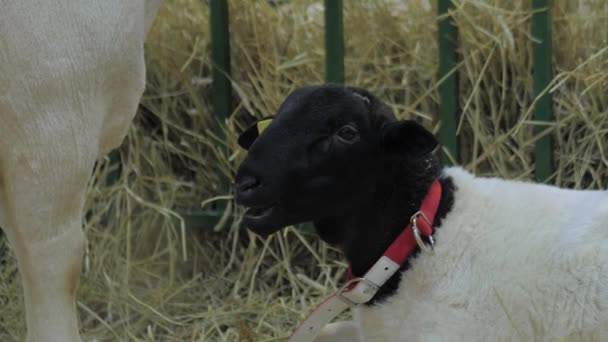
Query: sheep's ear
[
  {"x": 247, "y": 138},
  {"x": 408, "y": 139}
]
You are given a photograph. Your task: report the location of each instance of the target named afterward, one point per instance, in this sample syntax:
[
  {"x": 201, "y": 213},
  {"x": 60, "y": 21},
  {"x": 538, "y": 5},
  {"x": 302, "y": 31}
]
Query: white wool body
[{"x": 513, "y": 261}]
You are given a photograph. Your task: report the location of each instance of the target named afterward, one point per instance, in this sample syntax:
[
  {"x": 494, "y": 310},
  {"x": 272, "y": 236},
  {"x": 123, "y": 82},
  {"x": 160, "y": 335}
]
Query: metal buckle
[
  {"x": 423, "y": 245},
  {"x": 349, "y": 283}
]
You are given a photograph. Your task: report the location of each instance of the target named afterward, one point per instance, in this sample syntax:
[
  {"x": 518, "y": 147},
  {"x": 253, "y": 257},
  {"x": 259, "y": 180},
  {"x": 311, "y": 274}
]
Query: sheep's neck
[{"x": 367, "y": 233}]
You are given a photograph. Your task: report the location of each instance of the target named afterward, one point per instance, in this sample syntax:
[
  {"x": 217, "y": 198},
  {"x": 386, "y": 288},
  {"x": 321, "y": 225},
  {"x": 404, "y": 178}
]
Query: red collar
[
  {"x": 361, "y": 290},
  {"x": 406, "y": 242}
]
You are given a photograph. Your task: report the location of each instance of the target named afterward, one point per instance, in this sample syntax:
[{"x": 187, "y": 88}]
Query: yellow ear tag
[{"x": 262, "y": 125}]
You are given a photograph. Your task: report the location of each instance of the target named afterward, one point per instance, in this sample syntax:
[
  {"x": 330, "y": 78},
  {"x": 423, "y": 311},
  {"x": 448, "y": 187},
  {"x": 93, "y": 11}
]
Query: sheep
[
  {"x": 71, "y": 76},
  {"x": 512, "y": 260}
]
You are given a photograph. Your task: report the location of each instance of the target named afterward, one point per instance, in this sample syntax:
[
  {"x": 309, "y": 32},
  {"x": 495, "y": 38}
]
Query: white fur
[
  {"x": 71, "y": 76},
  {"x": 513, "y": 261}
]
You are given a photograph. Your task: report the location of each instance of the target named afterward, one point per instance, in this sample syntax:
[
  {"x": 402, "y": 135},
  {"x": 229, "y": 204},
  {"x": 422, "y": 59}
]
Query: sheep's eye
[{"x": 348, "y": 133}]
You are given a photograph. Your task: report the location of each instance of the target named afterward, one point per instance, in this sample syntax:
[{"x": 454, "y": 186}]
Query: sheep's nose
[{"x": 247, "y": 183}]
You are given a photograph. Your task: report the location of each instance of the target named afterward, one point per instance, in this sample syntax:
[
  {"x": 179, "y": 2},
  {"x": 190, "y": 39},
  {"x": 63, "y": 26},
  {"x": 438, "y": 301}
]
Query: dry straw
[{"x": 149, "y": 277}]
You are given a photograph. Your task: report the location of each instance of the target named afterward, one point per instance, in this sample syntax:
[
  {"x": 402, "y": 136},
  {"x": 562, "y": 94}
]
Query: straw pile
[{"x": 148, "y": 277}]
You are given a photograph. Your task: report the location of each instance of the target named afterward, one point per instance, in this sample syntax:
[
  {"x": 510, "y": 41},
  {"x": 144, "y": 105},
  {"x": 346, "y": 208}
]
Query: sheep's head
[{"x": 321, "y": 156}]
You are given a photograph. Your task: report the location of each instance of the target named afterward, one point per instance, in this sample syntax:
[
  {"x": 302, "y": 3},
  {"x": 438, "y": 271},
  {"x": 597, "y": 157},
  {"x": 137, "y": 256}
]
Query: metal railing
[{"x": 448, "y": 74}]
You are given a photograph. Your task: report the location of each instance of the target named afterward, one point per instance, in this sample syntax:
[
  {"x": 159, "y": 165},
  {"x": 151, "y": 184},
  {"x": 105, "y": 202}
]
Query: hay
[{"x": 149, "y": 278}]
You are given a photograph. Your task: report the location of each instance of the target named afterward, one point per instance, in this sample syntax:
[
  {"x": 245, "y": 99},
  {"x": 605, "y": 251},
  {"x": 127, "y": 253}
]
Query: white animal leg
[
  {"x": 49, "y": 273},
  {"x": 46, "y": 190},
  {"x": 71, "y": 76}
]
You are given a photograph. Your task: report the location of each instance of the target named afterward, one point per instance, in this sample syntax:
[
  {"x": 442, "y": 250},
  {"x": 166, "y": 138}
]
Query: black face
[{"x": 319, "y": 157}]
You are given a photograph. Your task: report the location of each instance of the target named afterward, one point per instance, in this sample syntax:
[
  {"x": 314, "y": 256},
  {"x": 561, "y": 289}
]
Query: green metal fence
[
  {"x": 448, "y": 73},
  {"x": 448, "y": 76},
  {"x": 543, "y": 74}
]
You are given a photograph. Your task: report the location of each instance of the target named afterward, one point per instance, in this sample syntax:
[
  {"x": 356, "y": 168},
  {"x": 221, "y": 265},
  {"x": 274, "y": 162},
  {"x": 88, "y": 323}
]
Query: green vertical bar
[
  {"x": 543, "y": 74},
  {"x": 448, "y": 89},
  {"x": 220, "y": 58},
  {"x": 334, "y": 42}
]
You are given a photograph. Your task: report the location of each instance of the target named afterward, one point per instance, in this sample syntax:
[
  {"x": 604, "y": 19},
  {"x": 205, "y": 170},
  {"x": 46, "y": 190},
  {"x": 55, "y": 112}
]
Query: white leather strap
[
  {"x": 364, "y": 290},
  {"x": 317, "y": 319}
]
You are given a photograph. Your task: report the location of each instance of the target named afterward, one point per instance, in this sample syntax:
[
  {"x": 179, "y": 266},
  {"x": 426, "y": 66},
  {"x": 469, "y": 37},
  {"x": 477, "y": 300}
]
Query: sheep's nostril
[{"x": 247, "y": 183}]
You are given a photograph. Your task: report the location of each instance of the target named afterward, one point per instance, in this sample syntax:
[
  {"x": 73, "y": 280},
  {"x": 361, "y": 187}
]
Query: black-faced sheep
[{"x": 511, "y": 261}]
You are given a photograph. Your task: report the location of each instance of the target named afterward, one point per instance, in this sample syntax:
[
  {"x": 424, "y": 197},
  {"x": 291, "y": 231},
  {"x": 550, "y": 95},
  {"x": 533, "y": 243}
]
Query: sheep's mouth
[
  {"x": 259, "y": 212},
  {"x": 263, "y": 220}
]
